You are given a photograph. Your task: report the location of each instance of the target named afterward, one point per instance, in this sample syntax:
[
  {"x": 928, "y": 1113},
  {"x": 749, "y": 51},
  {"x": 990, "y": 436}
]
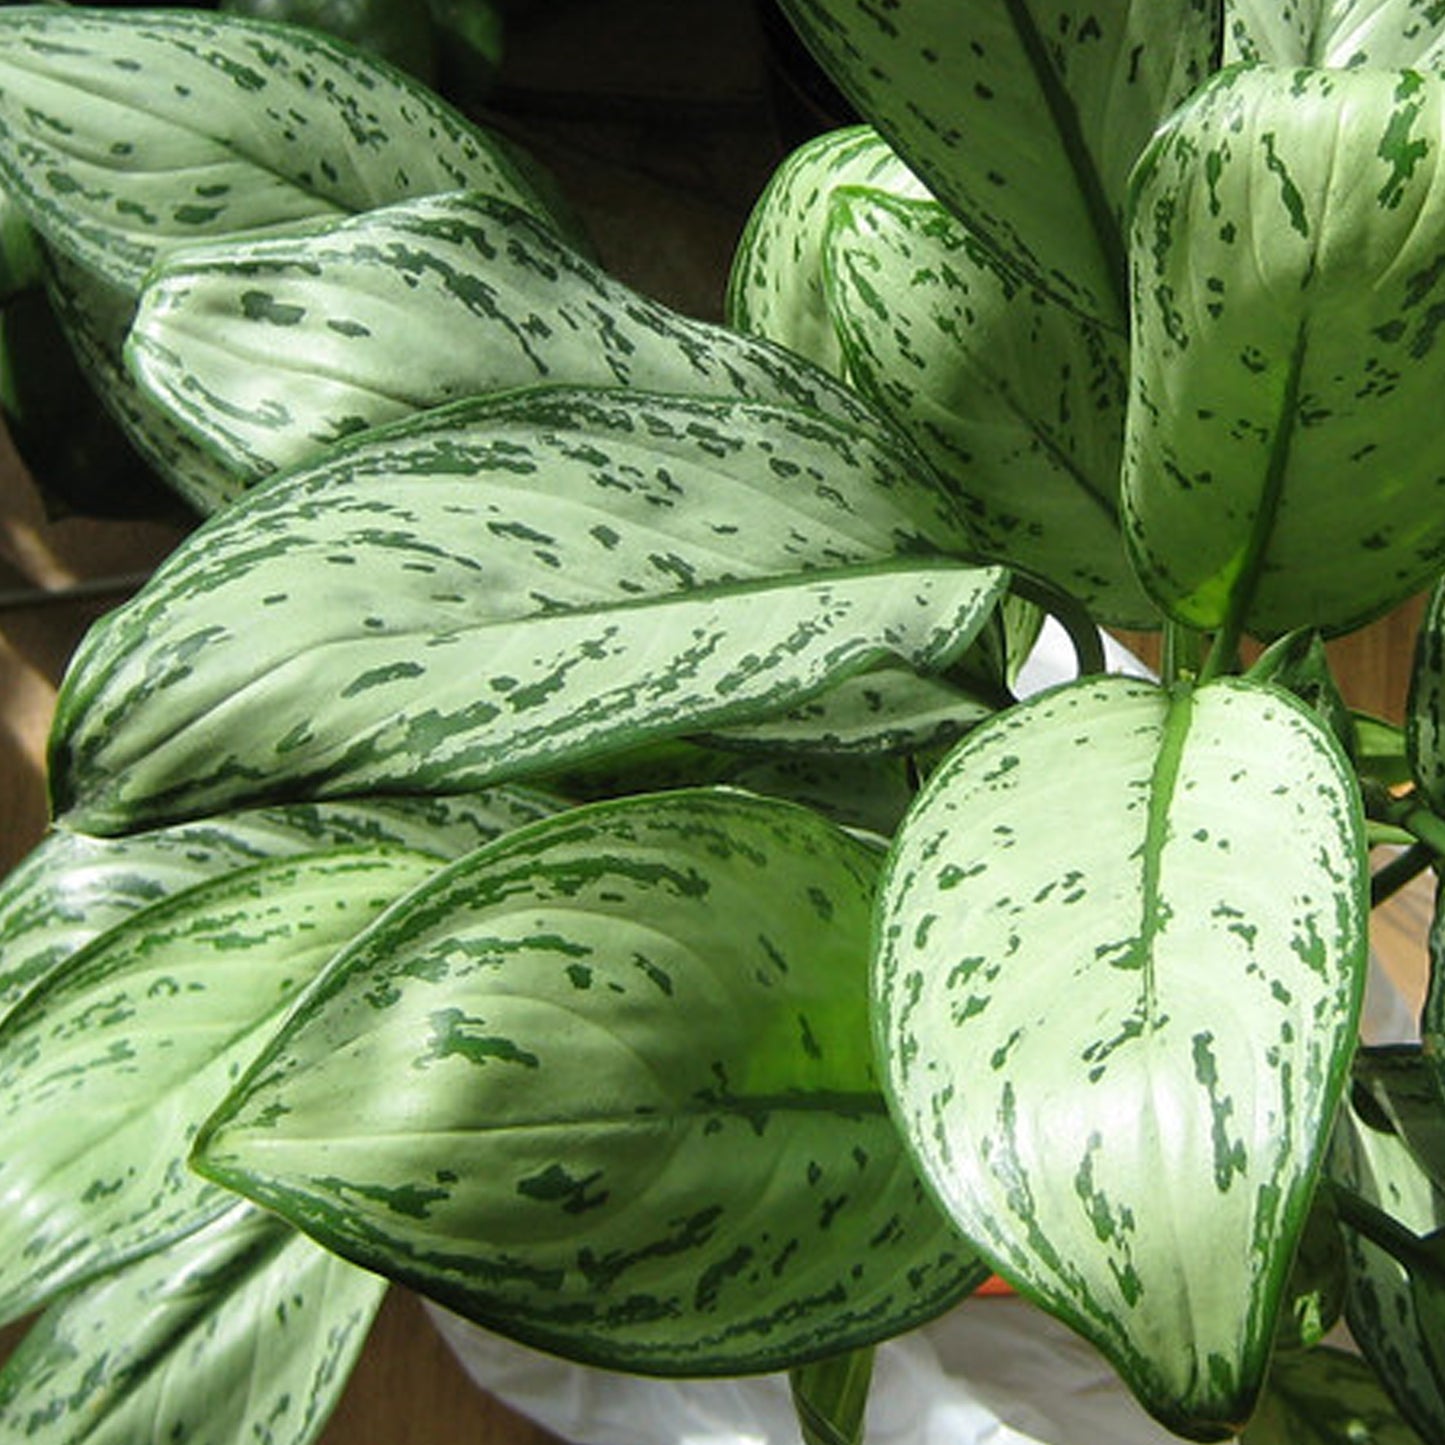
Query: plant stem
[
  {"x": 1407, "y": 813},
  {"x": 21, "y": 599},
  {"x": 1181, "y": 655},
  {"x": 1400, "y": 871},
  {"x": 1088, "y": 645}
]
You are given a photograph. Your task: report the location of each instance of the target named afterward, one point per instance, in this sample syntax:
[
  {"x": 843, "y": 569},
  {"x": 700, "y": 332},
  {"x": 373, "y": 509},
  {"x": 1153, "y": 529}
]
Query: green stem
[
  {"x": 1399, "y": 872},
  {"x": 1084, "y": 636},
  {"x": 1381, "y": 1229},
  {"x": 1414, "y": 817},
  {"x": 1182, "y": 654}
]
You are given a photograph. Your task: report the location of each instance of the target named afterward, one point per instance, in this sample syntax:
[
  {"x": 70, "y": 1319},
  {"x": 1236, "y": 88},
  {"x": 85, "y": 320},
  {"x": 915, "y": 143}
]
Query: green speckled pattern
[
  {"x": 1121, "y": 948},
  {"x": 1374, "y": 1162},
  {"x": 242, "y": 1331},
  {"x": 127, "y": 135},
  {"x": 1289, "y": 283},
  {"x": 1337, "y": 34},
  {"x": 107, "y": 1071},
  {"x": 640, "y": 1123},
  {"x": 1017, "y": 401},
  {"x": 269, "y": 351},
  {"x": 1024, "y": 117},
  {"x": 72, "y": 888},
  {"x": 776, "y": 285},
  {"x": 496, "y": 589}
]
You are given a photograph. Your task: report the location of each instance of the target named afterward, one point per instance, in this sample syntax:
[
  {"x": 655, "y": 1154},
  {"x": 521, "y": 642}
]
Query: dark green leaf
[{"x": 1326, "y": 1397}]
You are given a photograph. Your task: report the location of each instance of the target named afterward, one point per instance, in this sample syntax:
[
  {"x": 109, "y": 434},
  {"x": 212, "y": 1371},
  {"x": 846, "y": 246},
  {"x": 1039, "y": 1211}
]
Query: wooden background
[{"x": 658, "y": 116}]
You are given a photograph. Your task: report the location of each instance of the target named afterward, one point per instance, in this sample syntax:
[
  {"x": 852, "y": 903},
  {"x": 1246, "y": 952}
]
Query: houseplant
[{"x": 470, "y": 847}]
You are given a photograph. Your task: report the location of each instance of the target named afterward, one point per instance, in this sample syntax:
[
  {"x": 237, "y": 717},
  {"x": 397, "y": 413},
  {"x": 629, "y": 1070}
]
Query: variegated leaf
[
  {"x": 244, "y": 1330},
  {"x": 1017, "y": 402},
  {"x": 1337, "y": 34},
  {"x": 1024, "y": 117},
  {"x": 1370, "y": 1160},
  {"x": 1425, "y": 712},
  {"x": 270, "y": 350},
  {"x": 126, "y": 134},
  {"x": 1122, "y": 951},
  {"x": 107, "y": 1071},
  {"x": 870, "y": 793},
  {"x": 830, "y": 1397},
  {"x": 1285, "y": 364},
  {"x": 1325, "y": 1397},
  {"x": 640, "y": 1124},
  {"x": 775, "y": 288},
  {"x": 72, "y": 887},
  {"x": 889, "y": 710},
  {"x": 501, "y": 588},
  {"x": 94, "y": 317}
]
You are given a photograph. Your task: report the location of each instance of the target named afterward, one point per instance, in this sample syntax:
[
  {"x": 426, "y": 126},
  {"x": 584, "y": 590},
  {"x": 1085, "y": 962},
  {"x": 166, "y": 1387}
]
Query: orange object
[{"x": 993, "y": 1285}]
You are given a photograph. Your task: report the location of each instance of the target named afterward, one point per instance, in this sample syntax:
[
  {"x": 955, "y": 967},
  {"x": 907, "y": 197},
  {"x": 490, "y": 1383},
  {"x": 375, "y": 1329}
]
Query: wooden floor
[{"x": 666, "y": 204}]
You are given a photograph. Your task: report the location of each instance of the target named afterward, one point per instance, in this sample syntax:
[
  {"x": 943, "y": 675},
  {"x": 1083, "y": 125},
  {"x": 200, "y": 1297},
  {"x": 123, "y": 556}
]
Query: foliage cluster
[{"x": 561, "y": 833}]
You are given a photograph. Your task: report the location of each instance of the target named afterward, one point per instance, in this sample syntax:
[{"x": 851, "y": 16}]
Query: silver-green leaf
[
  {"x": 499, "y": 588},
  {"x": 640, "y": 1123},
  {"x": 1122, "y": 951},
  {"x": 1371, "y": 1161},
  {"x": 1024, "y": 117},
  {"x": 775, "y": 288},
  {"x": 270, "y": 350},
  {"x": 107, "y": 1071},
  {"x": 1337, "y": 34},
  {"x": 1017, "y": 402},
  {"x": 243, "y": 1330},
  {"x": 1288, "y": 297},
  {"x": 126, "y": 134},
  {"x": 94, "y": 316},
  {"x": 73, "y": 887}
]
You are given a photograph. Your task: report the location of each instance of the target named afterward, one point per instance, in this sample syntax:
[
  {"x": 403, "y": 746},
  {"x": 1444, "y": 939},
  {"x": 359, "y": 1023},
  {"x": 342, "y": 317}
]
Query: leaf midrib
[{"x": 1065, "y": 116}]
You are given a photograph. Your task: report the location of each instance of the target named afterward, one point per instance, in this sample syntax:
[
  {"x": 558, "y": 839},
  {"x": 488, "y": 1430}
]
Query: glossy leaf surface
[
  {"x": 72, "y": 887},
  {"x": 106, "y": 1073},
  {"x": 1122, "y": 949},
  {"x": 1285, "y": 359},
  {"x": 1024, "y": 117},
  {"x": 243, "y": 1330},
  {"x": 776, "y": 288},
  {"x": 1016, "y": 401},
  {"x": 1371, "y": 1160},
  {"x": 126, "y": 134},
  {"x": 268, "y": 351},
  {"x": 1338, "y": 34},
  {"x": 504, "y": 587},
  {"x": 641, "y": 1125}
]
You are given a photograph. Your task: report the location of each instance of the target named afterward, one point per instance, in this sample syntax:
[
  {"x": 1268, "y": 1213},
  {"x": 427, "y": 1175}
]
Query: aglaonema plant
[{"x": 561, "y": 833}]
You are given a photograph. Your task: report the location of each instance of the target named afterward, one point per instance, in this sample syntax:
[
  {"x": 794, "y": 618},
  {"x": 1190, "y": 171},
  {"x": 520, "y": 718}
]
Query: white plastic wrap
[{"x": 995, "y": 1371}]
